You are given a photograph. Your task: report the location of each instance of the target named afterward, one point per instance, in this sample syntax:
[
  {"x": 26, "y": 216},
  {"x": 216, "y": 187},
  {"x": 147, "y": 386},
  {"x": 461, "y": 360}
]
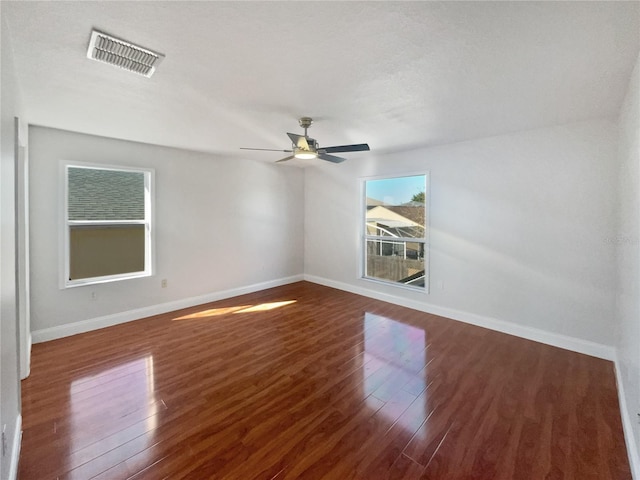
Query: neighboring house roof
[
  {"x": 415, "y": 213},
  {"x": 374, "y": 202},
  {"x": 397, "y": 216},
  {"x": 96, "y": 194}
]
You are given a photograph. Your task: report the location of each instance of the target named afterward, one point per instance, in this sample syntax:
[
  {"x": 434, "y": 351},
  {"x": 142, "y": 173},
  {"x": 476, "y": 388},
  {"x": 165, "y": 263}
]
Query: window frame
[
  {"x": 365, "y": 237},
  {"x": 66, "y": 224}
]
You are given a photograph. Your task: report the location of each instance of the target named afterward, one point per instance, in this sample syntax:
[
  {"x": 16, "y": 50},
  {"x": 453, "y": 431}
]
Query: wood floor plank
[{"x": 308, "y": 382}]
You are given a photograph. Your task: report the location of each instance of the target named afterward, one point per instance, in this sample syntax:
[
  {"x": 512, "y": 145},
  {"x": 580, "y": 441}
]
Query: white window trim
[
  {"x": 363, "y": 237},
  {"x": 65, "y": 223}
]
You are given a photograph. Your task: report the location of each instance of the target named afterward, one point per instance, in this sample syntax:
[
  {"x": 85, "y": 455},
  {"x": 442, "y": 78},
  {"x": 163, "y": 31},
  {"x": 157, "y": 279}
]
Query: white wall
[
  {"x": 628, "y": 261},
  {"x": 9, "y": 359},
  {"x": 220, "y": 224},
  {"x": 522, "y": 227}
]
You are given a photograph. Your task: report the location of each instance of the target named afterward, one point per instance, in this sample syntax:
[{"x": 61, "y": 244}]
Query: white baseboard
[
  {"x": 15, "y": 453},
  {"x": 549, "y": 338},
  {"x": 557, "y": 340},
  {"x": 61, "y": 331},
  {"x": 627, "y": 427}
]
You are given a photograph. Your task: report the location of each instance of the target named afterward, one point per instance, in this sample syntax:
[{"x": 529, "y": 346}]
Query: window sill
[
  {"x": 106, "y": 279},
  {"x": 402, "y": 286}
]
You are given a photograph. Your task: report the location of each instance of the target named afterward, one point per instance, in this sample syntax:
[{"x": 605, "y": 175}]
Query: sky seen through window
[{"x": 395, "y": 191}]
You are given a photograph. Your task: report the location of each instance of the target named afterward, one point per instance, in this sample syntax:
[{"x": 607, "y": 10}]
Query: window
[
  {"x": 107, "y": 224},
  {"x": 395, "y": 233}
]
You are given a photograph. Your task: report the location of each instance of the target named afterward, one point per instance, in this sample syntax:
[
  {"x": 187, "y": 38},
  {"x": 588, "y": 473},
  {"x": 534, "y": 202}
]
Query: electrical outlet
[{"x": 163, "y": 283}]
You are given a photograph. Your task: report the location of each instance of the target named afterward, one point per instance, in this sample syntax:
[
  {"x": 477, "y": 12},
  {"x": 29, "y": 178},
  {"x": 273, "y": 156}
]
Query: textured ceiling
[{"x": 396, "y": 75}]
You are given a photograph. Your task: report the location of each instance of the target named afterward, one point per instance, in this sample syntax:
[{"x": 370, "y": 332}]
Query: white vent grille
[{"x": 123, "y": 54}]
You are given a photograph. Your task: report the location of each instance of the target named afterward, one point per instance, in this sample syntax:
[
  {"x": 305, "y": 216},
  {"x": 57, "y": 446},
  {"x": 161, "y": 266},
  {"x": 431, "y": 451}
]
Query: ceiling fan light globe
[{"x": 305, "y": 154}]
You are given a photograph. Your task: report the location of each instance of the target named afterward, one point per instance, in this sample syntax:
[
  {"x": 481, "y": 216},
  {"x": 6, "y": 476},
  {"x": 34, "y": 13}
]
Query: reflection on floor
[
  {"x": 401, "y": 349},
  {"x": 129, "y": 387},
  {"x": 307, "y": 382}
]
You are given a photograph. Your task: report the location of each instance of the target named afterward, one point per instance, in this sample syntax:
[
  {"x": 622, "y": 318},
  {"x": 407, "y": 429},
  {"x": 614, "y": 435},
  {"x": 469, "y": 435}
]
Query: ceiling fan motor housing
[{"x": 305, "y": 122}]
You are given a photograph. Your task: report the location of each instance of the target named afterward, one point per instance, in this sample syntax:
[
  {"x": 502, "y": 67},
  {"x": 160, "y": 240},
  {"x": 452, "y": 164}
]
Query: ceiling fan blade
[
  {"x": 330, "y": 158},
  {"x": 285, "y": 159},
  {"x": 360, "y": 147},
  {"x": 266, "y": 149},
  {"x": 299, "y": 140}
]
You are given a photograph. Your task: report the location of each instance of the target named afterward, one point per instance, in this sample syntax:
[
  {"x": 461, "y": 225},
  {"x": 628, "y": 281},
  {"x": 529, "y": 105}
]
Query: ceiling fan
[{"x": 306, "y": 148}]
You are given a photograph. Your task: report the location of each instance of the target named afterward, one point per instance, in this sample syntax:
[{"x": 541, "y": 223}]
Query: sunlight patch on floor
[
  {"x": 214, "y": 312},
  {"x": 263, "y": 307}
]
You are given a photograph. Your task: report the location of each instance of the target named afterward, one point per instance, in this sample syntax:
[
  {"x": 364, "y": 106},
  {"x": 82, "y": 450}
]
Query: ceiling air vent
[{"x": 120, "y": 53}]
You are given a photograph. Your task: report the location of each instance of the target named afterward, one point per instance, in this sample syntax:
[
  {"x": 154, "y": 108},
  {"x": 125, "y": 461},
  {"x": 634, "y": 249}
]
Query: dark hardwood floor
[{"x": 307, "y": 382}]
